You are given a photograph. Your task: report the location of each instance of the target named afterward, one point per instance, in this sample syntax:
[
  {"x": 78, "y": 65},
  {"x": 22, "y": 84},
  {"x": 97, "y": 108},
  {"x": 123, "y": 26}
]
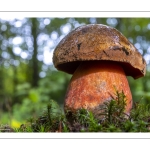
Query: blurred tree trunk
[
  {"x": 35, "y": 67},
  {"x": 1, "y": 85},
  {"x": 1, "y": 80}
]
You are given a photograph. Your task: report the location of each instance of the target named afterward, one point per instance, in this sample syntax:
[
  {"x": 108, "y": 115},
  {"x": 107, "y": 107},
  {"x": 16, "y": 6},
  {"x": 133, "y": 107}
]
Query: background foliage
[{"x": 28, "y": 79}]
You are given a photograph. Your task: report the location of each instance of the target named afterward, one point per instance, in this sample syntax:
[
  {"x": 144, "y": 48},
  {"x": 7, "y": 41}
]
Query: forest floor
[{"x": 113, "y": 119}]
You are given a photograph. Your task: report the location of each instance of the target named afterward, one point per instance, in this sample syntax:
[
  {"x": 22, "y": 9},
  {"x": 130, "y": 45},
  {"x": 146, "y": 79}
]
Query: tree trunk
[{"x": 35, "y": 67}]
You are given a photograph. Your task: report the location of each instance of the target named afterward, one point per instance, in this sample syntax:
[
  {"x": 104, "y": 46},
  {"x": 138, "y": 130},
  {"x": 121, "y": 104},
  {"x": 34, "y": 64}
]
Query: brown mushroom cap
[{"x": 98, "y": 42}]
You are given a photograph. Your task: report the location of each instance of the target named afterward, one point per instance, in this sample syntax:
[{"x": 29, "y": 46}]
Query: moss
[{"x": 114, "y": 119}]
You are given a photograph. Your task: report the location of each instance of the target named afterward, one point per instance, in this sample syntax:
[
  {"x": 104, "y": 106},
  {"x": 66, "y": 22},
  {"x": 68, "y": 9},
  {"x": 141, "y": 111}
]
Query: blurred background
[{"x": 28, "y": 79}]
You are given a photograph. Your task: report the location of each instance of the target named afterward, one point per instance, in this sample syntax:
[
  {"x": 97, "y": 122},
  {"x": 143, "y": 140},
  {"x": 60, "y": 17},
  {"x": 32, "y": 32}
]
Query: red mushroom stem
[{"x": 95, "y": 82}]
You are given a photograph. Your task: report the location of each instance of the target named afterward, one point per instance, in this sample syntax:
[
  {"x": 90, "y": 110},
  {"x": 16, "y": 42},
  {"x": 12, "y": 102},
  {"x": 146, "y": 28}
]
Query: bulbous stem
[{"x": 95, "y": 82}]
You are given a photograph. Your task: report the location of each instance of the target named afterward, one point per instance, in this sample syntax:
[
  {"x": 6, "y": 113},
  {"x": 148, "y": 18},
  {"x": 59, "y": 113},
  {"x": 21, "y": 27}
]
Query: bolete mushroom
[{"x": 100, "y": 58}]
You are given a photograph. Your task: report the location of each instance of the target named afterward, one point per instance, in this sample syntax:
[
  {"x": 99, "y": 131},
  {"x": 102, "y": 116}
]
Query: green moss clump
[{"x": 113, "y": 119}]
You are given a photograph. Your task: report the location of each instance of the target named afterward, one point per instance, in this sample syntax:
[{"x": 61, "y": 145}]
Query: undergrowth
[{"x": 112, "y": 118}]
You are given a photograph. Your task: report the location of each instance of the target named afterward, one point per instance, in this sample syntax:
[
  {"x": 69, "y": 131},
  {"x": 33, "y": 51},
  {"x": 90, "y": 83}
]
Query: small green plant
[{"x": 114, "y": 110}]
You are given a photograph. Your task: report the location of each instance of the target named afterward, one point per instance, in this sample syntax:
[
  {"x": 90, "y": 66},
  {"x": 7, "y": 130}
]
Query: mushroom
[{"x": 100, "y": 58}]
